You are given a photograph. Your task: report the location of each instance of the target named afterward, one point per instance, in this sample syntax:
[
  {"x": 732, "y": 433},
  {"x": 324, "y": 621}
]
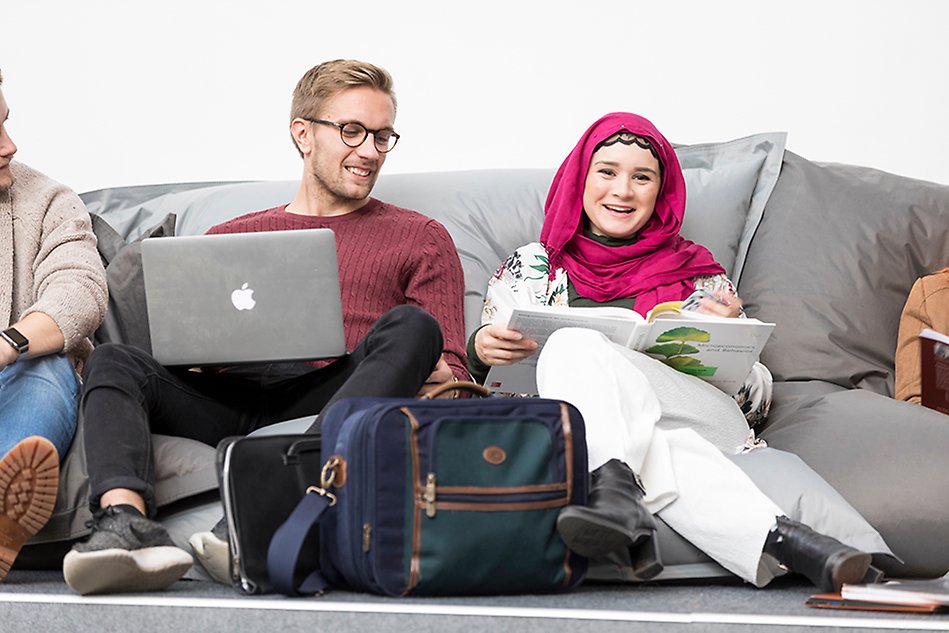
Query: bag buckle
[
  {"x": 327, "y": 477},
  {"x": 323, "y": 492}
]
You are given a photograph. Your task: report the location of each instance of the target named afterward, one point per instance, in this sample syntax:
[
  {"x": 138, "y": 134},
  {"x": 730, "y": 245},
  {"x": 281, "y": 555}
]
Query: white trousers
[{"x": 672, "y": 430}]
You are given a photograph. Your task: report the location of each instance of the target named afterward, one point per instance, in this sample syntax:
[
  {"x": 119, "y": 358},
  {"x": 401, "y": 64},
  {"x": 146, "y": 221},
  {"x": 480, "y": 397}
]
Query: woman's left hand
[{"x": 724, "y": 304}]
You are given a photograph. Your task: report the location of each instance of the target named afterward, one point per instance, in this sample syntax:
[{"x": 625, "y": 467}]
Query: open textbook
[{"x": 719, "y": 350}]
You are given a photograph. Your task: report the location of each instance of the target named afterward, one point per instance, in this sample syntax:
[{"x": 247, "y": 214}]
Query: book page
[
  {"x": 934, "y": 335},
  {"x": 666, "y": 308},
  {"x": 539, "y": 322},
  {"x": 935, "y": 591},
  {"x": 617, "y": 324}
]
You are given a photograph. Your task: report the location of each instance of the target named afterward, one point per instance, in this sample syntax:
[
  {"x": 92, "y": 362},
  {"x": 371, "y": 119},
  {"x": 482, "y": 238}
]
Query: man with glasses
[{"x": 400, "y": 279}]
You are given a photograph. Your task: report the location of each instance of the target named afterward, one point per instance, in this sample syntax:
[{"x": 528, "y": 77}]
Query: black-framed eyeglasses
[{"x": 354, "y": 134}]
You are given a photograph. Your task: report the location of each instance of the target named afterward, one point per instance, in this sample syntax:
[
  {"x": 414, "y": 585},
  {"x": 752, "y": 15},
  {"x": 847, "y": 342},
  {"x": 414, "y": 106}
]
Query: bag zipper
[
  {"x": 428, "y": 496},
  {"x": 473, "y": 498}
]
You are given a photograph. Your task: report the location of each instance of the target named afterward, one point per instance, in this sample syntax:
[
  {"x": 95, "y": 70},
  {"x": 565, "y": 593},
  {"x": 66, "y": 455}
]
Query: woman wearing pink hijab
[{"x": 657, "y": 438}]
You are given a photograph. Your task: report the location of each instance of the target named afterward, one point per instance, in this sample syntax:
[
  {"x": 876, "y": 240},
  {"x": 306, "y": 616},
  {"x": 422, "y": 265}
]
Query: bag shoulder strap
[{"x": 284, "y": 551}]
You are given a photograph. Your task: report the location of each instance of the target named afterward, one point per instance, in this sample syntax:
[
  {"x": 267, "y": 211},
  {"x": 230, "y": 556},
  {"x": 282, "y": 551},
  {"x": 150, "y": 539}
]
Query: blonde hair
[{"x": 329, "y": 79}]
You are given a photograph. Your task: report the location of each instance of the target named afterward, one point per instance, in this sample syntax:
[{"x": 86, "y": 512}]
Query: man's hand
[
  {"x": 497, "y": 345},
  {"x": 441, "y": 375}
]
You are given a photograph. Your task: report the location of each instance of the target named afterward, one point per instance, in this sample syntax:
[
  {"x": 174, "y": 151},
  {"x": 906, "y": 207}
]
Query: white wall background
[{"x": 116, "y": 92}]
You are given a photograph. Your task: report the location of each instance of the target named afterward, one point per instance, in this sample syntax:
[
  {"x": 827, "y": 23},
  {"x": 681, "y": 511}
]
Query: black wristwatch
[{"x": 16, "y": 340}]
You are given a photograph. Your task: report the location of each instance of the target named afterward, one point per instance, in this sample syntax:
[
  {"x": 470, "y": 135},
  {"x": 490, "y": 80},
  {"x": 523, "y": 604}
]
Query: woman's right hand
[{"x": 498, "y": 345}]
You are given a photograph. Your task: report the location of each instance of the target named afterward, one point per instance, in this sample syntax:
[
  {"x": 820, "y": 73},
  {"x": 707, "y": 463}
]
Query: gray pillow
[
  {"x": 888, "y": 459},
  {"x": 131, "y": 210},
  {"x": 728, "y": 185},
  {"x": 832, "y": 262}
]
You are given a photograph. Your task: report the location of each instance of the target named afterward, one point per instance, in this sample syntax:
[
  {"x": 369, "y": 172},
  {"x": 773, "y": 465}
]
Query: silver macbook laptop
[{"x": 243, "y": 297}]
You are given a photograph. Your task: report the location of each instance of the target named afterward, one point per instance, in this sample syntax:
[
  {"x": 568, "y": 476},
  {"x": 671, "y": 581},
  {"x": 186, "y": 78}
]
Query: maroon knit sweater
[{"x": 388, "y": 256}]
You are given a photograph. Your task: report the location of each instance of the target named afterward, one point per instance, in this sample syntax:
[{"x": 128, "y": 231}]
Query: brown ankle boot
[{"x": 613, "y": 518}]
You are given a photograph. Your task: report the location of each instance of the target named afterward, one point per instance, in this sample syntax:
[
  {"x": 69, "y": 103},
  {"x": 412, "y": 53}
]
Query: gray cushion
[
  {"x": 183, "y": 468},
  {"x": 833, "y": 260},
  {"x": 886, "y": 457},
  {"x": 805, "y": 496},
  {"x": 794, "y": 487}
]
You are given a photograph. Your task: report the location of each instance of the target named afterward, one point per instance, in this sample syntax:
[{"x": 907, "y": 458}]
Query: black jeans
[{"x": 128, "y": 396}]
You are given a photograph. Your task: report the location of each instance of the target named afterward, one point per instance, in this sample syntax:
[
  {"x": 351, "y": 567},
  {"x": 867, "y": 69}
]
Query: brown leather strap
[{"x": 461, "y": 385}]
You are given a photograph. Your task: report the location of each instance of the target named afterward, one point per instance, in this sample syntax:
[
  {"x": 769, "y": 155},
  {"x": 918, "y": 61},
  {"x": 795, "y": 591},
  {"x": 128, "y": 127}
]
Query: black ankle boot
[
  {"x": 824, "y": 560},
  {"x": 613, "y": 518}
]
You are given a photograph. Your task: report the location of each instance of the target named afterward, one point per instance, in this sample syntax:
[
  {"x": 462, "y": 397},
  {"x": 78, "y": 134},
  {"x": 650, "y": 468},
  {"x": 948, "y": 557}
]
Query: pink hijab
[{"x": 660, "y": 266}]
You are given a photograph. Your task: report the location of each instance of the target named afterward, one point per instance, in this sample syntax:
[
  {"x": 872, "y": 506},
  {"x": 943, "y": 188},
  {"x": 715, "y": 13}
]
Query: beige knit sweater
[{"x": 48, "y": 259}]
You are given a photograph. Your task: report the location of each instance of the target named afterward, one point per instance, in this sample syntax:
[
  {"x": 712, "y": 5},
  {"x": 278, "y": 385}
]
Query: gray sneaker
[
  {"x": 126, "y": 552},
  {"x": 211, "y": 550}
]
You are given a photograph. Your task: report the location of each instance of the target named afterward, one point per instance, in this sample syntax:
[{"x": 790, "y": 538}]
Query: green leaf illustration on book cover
[
  {"x": 684, "y": 334},
  {"x": 675, "y": 350},
  {"x": 671, "y": 350}
]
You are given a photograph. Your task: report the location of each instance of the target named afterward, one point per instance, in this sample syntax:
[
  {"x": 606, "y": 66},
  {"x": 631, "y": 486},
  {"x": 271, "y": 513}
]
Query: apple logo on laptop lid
[{"x": 243, "y": 298}]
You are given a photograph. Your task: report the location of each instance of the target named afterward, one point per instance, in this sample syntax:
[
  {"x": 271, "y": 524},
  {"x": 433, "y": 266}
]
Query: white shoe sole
[
  {"x": 29, "y": 478},
  {"x": 211, "y": 552},
  {"x": 121, "y": 571}
]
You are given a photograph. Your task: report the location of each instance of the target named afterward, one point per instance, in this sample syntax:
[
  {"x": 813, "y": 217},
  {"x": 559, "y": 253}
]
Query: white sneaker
[{"x": 211, "y": 550}]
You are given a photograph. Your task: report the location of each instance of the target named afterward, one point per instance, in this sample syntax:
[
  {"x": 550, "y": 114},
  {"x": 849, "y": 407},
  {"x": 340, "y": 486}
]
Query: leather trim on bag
[
  {"x": 339, "y": 477},
  {"x": 568, "y": 446},
  {"x": 568, "y": 456},
  {"x": 494, "y": 455},
  {"x": 501, "y": 490},
  {"x": 415, "y": 562}
]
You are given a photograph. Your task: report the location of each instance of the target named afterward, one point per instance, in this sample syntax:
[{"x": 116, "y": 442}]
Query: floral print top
[{"x": 524, "y": 279}]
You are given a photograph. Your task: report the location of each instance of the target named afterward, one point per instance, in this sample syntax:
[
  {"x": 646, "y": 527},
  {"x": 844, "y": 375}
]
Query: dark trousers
[{"x": 128, "y": 396}]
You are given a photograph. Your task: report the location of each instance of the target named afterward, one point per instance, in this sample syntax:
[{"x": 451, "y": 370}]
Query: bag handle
[
  {"x": 292, "y": 456},
  {"x": 459, "y": 385}
]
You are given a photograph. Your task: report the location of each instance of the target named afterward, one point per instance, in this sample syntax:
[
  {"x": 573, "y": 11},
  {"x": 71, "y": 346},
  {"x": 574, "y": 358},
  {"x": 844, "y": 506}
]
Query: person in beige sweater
[
  {"x": 52, "y": 297},
  {"x": 926, "y": 307}
]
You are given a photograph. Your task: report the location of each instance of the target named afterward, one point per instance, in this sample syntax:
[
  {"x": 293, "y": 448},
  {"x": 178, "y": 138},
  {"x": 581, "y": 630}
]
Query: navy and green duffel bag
[{"x": 439, "y": 497}]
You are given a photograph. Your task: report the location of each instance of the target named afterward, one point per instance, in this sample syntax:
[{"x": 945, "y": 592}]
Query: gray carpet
[{"x": 40, "y": 601}]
